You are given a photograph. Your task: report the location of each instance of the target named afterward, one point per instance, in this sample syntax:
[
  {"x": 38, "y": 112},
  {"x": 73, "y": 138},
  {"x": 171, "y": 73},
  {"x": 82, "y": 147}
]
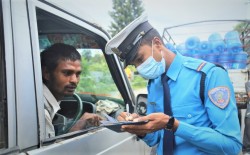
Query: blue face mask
[{"x": 151, "y": 69}]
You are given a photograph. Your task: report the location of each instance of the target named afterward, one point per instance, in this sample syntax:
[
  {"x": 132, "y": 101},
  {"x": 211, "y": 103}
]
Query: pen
[{"x": 127, "y": 108}]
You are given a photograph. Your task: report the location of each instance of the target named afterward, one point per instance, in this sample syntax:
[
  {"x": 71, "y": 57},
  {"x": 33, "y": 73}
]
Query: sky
[{"x": 166, "y": 13}]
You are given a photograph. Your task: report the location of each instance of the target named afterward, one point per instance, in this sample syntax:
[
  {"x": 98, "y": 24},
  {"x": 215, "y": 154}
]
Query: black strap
[{"x": 202, "y": 84}]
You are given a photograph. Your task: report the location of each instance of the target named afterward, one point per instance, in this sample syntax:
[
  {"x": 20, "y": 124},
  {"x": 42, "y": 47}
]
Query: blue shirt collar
[{"x": 175, "y": 67}]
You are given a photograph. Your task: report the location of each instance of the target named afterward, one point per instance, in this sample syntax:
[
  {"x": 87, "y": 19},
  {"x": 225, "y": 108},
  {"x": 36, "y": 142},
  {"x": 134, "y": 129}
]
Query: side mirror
[{"x": 141, "y": 104}]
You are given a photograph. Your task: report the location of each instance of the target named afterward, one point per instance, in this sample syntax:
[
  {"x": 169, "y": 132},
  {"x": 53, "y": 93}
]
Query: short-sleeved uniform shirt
[{"x": 209, "y": 128}]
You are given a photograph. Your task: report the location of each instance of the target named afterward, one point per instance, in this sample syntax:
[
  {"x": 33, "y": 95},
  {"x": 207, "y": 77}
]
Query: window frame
[
  {"x": 96, "y": 32},
  {"x": 9, "y": 74},
  {"x": 3, "y": 89}
]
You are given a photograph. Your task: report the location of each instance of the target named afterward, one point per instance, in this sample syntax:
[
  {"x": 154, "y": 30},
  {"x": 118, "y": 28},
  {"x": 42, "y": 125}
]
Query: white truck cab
[{"x": 26, "y": 28}]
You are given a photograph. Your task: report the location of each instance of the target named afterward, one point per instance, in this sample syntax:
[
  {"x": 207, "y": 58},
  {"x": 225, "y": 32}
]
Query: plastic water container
[
  {"x": 204, "y": 47},
  {"x": 233, "y": 42},
  {"x": 181, "y": 48},
  {"x": 197, "y": 56},
  {"x": 171, "y": 47},
  {"x": 240, "y": 56},
  {"x": 192, "y": 44},
  {"x": 240, "y": 60},
  {"x": 226, "y": 65},
  {"x": 225, "y": 59},
  {"x": 217, "y": 43},
  {"x": 211, "y": 58},
  {"x": 239, "y": 65}
]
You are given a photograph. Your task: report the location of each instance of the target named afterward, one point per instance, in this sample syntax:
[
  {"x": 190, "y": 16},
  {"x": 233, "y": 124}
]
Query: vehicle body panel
[{"x": 25, "y": 110}]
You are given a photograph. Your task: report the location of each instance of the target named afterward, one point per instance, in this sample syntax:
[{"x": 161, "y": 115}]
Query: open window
[{"x": 96, "y": 82}]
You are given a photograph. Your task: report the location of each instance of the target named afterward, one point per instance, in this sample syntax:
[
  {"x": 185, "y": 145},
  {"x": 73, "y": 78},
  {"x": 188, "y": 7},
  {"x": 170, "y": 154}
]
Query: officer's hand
[
  {"x": 156, "y": 122},
  {"x": 124, "y": 116},
  {"x": 87, "y": 120}
]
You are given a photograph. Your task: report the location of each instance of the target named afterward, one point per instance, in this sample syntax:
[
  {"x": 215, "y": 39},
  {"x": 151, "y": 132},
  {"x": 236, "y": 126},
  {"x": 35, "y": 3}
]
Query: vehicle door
[{"x": 102, "y": 80}]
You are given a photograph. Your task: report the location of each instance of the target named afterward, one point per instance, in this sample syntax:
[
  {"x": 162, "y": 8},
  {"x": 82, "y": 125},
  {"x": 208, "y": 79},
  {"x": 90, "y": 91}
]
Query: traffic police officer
[{"x": 211, "y": 127}]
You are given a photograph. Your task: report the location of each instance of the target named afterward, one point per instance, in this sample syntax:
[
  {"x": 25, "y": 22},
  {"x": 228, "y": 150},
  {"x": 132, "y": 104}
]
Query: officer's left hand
[
  {"x": 156, "y": 122},
  {"x": 124, "y": 116}
]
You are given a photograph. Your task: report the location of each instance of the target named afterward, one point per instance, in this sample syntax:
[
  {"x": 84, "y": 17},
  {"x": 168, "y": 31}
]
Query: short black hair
[
  {"x": 147, "y": 39},
  {"x": 56, "y": 52}
]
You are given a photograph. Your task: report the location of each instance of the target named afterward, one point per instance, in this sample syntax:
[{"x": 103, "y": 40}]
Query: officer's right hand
[{"x": 124, "y": 116}]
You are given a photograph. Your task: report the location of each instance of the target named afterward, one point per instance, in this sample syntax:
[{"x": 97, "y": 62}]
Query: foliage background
[{"x": 124, "y": 12}]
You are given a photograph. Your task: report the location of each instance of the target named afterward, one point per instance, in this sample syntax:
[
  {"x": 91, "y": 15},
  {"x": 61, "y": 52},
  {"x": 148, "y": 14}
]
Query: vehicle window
[
  {"x": 3, "y": 103},
  {"x": 96, "y": 81},
  {"x": 137, "y": 82},
  {"x": 96, "y": 78}
]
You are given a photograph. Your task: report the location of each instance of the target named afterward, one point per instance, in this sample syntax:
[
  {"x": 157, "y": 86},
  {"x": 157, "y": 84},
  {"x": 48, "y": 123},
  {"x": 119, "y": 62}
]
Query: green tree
[
  {"x": 86, "y": 54},
  {"x": 244, "y": 30},
  {"x": 241, "y": 27},
  {"x": 95, "y": 78},
  {"x": 124, "y": 12}
]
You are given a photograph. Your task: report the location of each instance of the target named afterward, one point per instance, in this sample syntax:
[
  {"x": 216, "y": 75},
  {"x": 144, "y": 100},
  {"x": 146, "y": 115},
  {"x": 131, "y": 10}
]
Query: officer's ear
[{"x": 157, "y": 43}]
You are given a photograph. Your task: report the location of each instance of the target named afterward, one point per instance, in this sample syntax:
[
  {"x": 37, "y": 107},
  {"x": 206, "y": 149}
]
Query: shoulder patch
[
  {"x": 219, "y": 96},
  {"x": 198, "y": 65},
  {"x": 192, "y": 63}
]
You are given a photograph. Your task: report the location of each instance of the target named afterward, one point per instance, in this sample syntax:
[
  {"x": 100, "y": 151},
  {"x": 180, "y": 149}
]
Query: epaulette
[{"x": 204, "y": 67}]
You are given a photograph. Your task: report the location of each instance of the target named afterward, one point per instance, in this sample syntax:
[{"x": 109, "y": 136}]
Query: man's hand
[
  {"x": 124, "y": 117},
  {"x": 87, "y": 120},
  {"x": 156, "y": 122}
]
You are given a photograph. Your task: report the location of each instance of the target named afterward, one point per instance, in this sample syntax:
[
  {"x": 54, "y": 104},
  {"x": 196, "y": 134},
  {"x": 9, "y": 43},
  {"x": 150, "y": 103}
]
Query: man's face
[
  {"x": 144, "y": 52},
  {"x": 64, "y": 79}
]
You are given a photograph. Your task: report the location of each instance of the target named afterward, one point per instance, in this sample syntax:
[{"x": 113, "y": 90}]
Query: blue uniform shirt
[{"x": 204, "y": 128}]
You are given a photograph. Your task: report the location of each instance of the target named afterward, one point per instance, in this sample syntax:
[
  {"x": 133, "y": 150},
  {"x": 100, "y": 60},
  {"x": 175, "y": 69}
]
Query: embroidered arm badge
[{"x": 219, "y": 96}]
